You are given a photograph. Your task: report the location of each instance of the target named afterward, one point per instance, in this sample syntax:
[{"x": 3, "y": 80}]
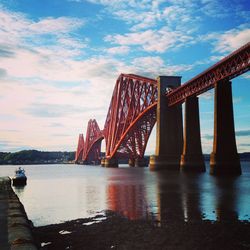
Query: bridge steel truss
[
  {"x": 92, "y": 149},
  {"x": 132, "y": 111},
  {"x": 89, "y": 151},
  {"x": 131, "y": 116},
  {"x": 231, "y": 66},
  {"x": 80, "y": 149}
]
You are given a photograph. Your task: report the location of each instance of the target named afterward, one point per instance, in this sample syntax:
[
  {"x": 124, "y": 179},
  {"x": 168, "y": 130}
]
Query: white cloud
[
  {"x": 138, "y": 20},
  {"x": 209, "y": 95},
  {"x": 232, "y": 40},
  {"x": 34, "y": 107},
  {"x": 155, "y": 66},
  {"x": 118, "y": 50},
  {"x": 237, "y": 99},
  {"x": 246, "y": 75},
  {"x": 49, "y": 65},
  {"x": 141, "y": 15},
  {"x": 157, "y": 26},
  {"x": 28, "y": 47},
  {"x": 215, "y": 8},
  {"x": 38, "y": 59},
  {"x": 15, "y": 27},
  {"x": 54, "y": 25},
  {"x": 152, "y": 40},
  {"x": 118, "y": 4}
]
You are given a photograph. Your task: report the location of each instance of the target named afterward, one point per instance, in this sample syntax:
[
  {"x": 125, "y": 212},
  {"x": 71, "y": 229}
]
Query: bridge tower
[
  {"x": 80, "y": 150},
  {"x": 169, "y": 128},
  {"x": 192, "y": 159},
  {"x": 224, "y": 158}
]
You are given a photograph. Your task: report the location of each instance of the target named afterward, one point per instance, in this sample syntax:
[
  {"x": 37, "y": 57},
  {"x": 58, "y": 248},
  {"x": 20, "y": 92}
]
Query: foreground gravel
[{"x": 116, "y": 232}]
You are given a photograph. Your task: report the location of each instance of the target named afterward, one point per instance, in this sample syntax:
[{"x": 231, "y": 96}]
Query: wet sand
[{"x": 117, "y": 232}]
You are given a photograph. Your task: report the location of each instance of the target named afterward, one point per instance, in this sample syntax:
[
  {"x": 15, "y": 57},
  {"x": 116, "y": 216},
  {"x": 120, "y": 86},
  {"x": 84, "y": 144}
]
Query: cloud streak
[
  {"x": 151, "y": 40},
  {"x": 230, "y": 40},
  {"x": 51, "y": 110},
  {"x": 3, "y": 73},
  {"x": 242, "y": 133}
]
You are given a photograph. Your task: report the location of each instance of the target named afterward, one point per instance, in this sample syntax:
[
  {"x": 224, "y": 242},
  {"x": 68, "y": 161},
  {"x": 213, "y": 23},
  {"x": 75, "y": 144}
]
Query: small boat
[{"x": 20, "y": 178}]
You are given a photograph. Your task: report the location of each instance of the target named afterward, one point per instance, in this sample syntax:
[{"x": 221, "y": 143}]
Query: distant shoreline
[
  {"x": 35, "y": 157},
  {"x": 32, "y": 163}
]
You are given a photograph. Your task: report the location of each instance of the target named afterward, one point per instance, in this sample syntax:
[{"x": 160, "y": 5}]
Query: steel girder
[
  {"x": 132, "y": 111},
  {"x": 94, "y": 136},
  {"x": 131, "y": 116},
  {"x": 80, "y": 149},
  {"x": 231, "y": 66}
]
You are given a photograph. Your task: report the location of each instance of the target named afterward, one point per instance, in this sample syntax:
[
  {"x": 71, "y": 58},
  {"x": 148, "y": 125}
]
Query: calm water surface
[{"x": 56, "y": 193}]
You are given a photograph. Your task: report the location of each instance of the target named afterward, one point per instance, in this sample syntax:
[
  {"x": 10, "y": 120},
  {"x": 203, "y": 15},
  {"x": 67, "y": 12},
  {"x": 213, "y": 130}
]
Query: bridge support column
[
  {"x": 192, "y": 159},
  {"x": 103, "y": 162},
  {"x": 131, "y": 162},
  {"x": 111, "y": 163},
  {"x": 169, "y": 129},
  {"x": 224, "y": 160},
  {"x": 141, "y": 162}
]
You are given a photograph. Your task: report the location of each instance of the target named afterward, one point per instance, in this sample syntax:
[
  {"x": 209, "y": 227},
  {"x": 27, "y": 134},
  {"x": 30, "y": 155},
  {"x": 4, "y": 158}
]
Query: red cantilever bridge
[
  {"x": 138, "y": 102},
  {"x": 130, "y": 120}
]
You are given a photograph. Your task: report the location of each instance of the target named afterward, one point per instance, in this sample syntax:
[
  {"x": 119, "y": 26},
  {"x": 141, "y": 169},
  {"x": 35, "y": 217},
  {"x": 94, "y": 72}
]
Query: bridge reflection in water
[
  {"x": 60, "y": 193},
  {"x": 126, "y": 194},
  {"x": 172, "y": 197},
  {"x": 128, "y": 200}
]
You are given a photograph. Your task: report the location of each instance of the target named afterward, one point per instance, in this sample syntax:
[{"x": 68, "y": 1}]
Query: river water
[{"x": 56, "y": 193}]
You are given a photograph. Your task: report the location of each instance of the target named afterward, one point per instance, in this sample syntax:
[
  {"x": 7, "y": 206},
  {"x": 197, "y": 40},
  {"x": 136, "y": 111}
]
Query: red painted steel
[
  {"x": 231, "y": 66},
  {"x": 80, "y": 148},
  {"x": 92, "y": 149},
  {"x": 132, "y": 111},
  {"x": 131, "y": 116}
]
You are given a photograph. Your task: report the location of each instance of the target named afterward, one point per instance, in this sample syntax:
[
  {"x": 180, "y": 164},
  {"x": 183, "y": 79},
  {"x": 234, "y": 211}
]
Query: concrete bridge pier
[
  {"x": 224, "y": 160},
  {"x": 192, "y": 159},
  {"x": 103, "y": 162},
  {"x": 131, "y": 162},
  {"x": 169, "y": 129},
  {"x": 111, "y": 163},
  {"x": 141, "y": 162},
  {"x": 138, "y": 162}
]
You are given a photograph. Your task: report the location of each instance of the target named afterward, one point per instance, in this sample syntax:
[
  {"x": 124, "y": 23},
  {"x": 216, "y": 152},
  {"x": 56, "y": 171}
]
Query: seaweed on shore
[{"x": 113, "y": 231}]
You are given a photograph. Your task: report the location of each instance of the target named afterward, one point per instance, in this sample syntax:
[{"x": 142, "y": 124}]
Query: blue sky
[{"x": 59, "y": 60}]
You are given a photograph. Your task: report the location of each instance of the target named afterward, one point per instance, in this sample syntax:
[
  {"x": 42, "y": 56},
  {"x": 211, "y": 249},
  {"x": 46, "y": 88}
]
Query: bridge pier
[
  {"x": 111, "y": 163},
  {"x": 131, "y": 162},
  {"x": 192, "y": 159},
  {"x": 224, "y": 160},
  {"x": 141, "y": 162},
  {"x": 138, "y": 162},
  {"x": 169, "y": 133},
  {"x": 103, "y": 162}
]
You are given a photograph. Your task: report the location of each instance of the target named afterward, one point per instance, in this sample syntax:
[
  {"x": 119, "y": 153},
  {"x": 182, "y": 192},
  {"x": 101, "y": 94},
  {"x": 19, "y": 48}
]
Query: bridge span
[{"x": 139, "y": 102}]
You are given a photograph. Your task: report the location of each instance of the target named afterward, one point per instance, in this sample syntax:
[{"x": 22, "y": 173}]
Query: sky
[{"x": 59, "y": 60}]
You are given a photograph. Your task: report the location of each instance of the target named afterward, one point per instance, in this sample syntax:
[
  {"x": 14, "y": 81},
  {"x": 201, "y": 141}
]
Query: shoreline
[
  {"x": 15, "y": 227},
  {"x": 114, "y": 231}
]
